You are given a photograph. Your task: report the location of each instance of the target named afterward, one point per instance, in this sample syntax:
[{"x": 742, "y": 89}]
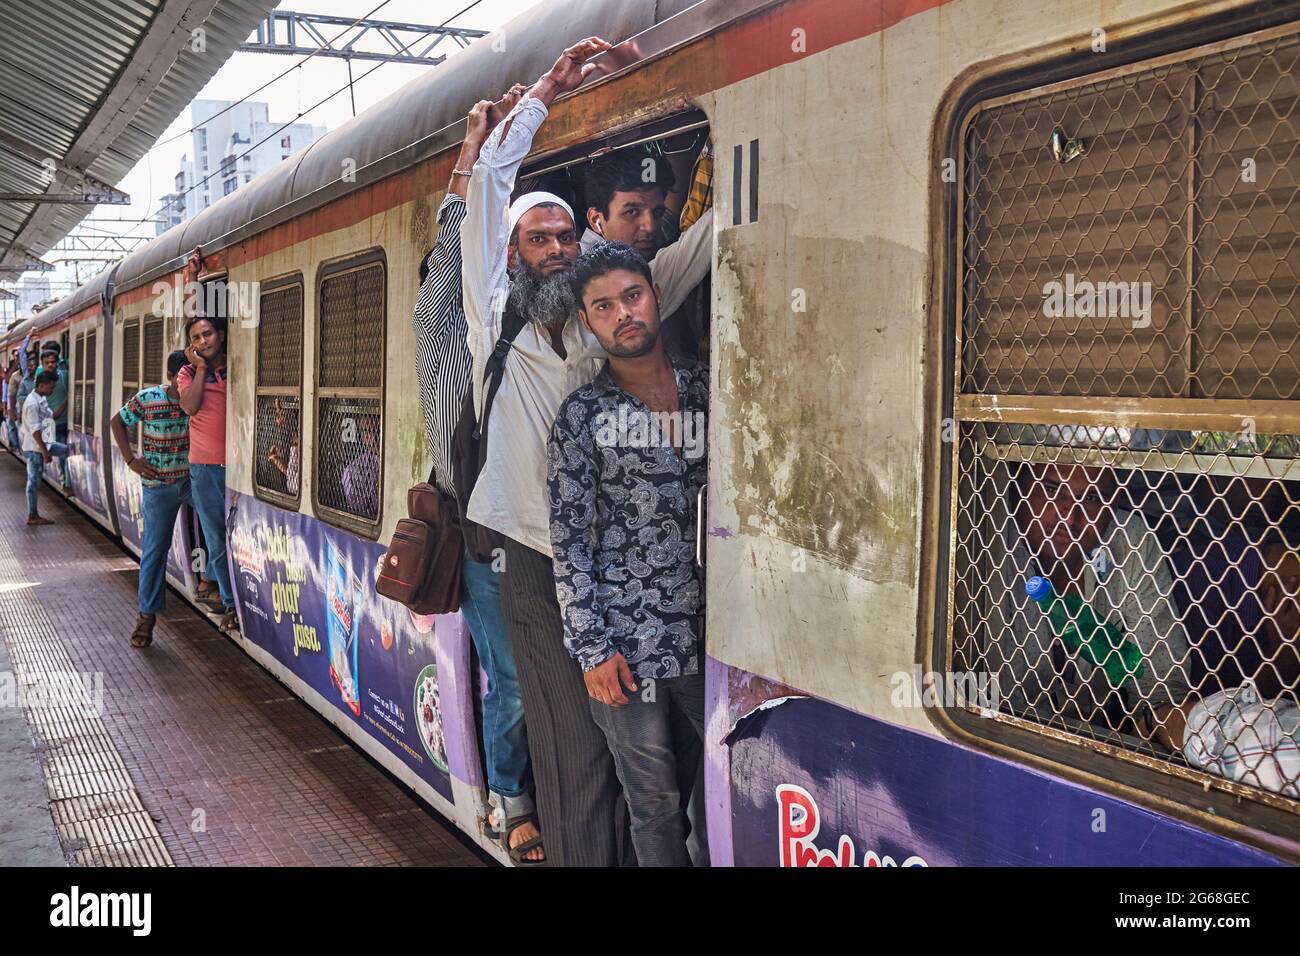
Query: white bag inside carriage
[{"x": 1239, "y": 737}]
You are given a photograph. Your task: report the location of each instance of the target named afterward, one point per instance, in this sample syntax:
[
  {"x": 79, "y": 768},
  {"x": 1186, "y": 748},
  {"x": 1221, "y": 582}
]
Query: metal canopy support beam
[
  {"x": 110, "y": 244},
  {"x": 153, "y": 57},
  {"x": 85, "y": 198},
  {"x": 38, "y": 157},
  {"x": 19, "y": 260},
  {"x": 302, "y": 37}
]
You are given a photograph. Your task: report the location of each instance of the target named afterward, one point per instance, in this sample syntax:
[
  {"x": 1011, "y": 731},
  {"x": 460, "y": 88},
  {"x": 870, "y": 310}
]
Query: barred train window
[
  {"x": 78, "y": 382},
  {"x": 277, "y": 453},
  {"x": 90, "y": 340},
  {"x": 1128, "y": 241},
  {"x": 131, "y": 370},
  {"x": 153, "y": 369},
  {"x": 349, "y": 396}
]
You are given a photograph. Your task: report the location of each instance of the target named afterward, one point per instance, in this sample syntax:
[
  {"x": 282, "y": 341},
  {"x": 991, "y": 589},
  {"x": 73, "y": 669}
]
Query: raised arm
[
  {"x": 484, "y": 235},
  {"x": 190, "y": 383},
  {"x": 682, "y": 266}
]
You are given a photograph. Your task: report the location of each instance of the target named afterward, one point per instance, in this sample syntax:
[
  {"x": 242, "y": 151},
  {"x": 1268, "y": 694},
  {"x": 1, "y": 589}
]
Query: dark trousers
[
  {"x": 655, "y": 739},
  {"x": 583, "y": 817}
]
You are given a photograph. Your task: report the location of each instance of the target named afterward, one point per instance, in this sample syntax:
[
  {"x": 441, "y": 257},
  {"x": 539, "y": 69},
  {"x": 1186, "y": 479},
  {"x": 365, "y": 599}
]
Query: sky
[{"x": 298, "y": 90}]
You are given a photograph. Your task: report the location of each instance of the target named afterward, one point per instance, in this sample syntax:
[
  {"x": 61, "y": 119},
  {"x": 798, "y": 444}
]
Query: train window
[
  {"x": 131, "y": 369},
  {"x": 278, "y": 412},
  {"x": 78, "y": 383},
  {"x": 350, "y": 355},
  {"x": 91, "y": 342},
  {"x": 153, "y": 361},
  {"x": 1126, "y": 567}
]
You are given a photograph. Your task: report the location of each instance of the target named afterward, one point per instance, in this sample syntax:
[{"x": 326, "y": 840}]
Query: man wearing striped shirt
[
  {"x": 164, "y": 469},
  {"x": 443, "y": 362}
]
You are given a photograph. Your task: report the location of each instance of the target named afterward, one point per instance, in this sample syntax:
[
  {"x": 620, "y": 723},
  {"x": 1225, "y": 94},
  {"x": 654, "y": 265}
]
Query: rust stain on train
[{"x": 823, "y": 462}]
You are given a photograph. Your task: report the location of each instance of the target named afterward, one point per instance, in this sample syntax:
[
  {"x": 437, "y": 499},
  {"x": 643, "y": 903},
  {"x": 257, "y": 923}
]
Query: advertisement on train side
[
  {"x": 130, "y": 514},
  {"x": 84, "y": 471},
  {"x": 306, "y": 594}
]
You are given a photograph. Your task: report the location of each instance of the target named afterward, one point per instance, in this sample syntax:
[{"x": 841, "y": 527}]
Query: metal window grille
[
  {"x": 349, "y": 397},
  {"x": 131, "y": 371},
  {"x": 277, "y": 467},
  {"x": 154, "y": 360},
  {"x": 79, "y": 383},
  {"x": 1127, "y": 413},
  {"x": 88, "y": 406}
]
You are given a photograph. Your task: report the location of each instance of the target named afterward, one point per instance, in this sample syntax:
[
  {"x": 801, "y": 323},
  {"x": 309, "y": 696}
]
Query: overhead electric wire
[{"x": 301, "y": 114}]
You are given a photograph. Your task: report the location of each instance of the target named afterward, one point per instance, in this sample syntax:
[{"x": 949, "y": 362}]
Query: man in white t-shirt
[{"x": 37, "y": 434}]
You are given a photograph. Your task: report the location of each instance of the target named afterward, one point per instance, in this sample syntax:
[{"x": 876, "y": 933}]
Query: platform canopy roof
[{"x": 86, "y": 88}]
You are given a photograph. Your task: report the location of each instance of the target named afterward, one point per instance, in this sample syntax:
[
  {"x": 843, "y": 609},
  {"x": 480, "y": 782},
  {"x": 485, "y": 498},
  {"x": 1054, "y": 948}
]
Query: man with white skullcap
[{"x": 515, "y": 280}]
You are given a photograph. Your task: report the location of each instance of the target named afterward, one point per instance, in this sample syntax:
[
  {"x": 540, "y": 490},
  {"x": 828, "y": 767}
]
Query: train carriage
[{"x": 916, "y": 203}]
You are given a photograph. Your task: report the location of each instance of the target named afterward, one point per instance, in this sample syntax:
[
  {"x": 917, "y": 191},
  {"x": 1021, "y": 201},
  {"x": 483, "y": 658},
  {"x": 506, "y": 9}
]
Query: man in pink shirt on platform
[{"x": 202, "y": 386}]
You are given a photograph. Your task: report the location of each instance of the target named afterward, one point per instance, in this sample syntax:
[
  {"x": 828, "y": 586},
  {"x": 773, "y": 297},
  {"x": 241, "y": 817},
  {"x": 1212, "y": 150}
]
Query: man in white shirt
[
  {"x": 37, "y": 433},
  {"x": 517, "y": 259}
]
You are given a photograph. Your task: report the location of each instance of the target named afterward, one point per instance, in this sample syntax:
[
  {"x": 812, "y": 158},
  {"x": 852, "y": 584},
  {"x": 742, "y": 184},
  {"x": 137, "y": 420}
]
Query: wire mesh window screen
[
  {"x": 78, "y": 382},
  {"x": 131, "y": 370},
  {"x": 348, "y": 458},
  {"x": 1136, "y": 235},
  {"x": 277, "y": 462},
  {"x": 349, "y": 395},
  {"x": 1134, "y": 587},
  {"x": 88, "y": 420}
]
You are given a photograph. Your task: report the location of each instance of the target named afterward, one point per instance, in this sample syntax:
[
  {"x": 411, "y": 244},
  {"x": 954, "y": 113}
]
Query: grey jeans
[{"x": 655, "y": 739}]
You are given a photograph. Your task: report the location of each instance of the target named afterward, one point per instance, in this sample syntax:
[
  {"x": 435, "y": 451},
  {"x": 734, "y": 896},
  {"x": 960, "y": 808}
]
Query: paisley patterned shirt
[{"x": 623, "y": 524}]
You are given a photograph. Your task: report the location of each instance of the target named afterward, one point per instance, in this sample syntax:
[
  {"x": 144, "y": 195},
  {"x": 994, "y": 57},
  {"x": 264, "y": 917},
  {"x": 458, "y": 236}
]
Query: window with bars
[
  {"x": 153, "y": 361},
  {"x": 90, "y": 351},
  {"x": 348, "y": 464},
  {"x": 78, "y": 383},
  {"x": 131, "y": 371},
  {"x": 1127, "y": 498},
  {"x": 277, "y": 462}
]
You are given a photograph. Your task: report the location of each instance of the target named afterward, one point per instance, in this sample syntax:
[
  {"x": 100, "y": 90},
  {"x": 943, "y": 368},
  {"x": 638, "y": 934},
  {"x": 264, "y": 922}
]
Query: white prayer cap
[{"x": 527, "y": 201}]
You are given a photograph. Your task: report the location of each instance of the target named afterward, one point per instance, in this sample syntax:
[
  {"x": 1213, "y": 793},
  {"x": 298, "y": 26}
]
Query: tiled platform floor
[{"x": 227, "y": 766}]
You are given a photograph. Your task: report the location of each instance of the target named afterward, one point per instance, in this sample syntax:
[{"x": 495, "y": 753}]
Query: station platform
[{"x": 197, "y": 757}]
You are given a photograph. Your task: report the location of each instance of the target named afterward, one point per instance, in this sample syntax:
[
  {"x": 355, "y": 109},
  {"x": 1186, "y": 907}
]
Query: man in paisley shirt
[{"x": 627, "y": 458}]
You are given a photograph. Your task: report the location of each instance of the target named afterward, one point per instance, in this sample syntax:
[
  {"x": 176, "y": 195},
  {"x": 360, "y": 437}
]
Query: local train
[{"x": 896, "y": 185}]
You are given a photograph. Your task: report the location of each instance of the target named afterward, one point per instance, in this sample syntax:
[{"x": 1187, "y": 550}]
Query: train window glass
[
  {"x": 79, "y": 383},
  {"x": 1126, "y": 572},
  {"x": 348, "y": 465},
  {"x": 131, "y": 369},
  {"x": 277, "y": 452},
  {"x": 88, "y": 424}
]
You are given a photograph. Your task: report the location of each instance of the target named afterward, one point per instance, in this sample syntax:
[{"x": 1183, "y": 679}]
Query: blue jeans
[
  {"x": 505, "y": 738},
  {"x": 35, "y": 465},
  {"x": 208, "y": 493},
  {"x": 160, "y": 507},
  {"x": 13, "y": 436},
  {"x": 61, "y": 436},
  {"x": 655, "y": 743}
]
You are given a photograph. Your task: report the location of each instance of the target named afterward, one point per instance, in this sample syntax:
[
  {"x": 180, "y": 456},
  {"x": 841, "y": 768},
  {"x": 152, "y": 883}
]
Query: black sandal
[
  {"x": 209, "y": 597},
  {"x": 517, "y": 853},
  {"x": 142, "y": 636},
  {"x": 229, "y": 621}
]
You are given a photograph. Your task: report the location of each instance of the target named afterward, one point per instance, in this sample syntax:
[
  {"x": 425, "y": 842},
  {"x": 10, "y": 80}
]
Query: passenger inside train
[{"x": 1152, "y": 626}]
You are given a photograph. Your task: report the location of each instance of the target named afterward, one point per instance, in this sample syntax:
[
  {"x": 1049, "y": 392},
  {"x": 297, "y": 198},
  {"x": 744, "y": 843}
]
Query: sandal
[
  {"x": 229, "y": 621},
  {"x": 208, "y": 596},
  {"x": 142, "y": 636},
  {"x": 517, "y": 853}
]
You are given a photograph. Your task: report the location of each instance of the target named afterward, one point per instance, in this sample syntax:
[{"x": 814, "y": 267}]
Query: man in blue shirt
[{"x": 627, "y": 459}]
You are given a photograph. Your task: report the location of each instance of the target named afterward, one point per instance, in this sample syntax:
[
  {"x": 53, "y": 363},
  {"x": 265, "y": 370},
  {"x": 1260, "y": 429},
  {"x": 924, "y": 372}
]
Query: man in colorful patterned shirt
[
  {"x": 164, "y": 469},
  {"x": 627, "y": 458}
]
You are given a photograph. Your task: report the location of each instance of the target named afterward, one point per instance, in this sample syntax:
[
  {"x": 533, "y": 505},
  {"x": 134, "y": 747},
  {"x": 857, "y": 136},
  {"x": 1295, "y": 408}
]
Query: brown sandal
[
  {"x": 209, "y": 596},
  {"x": 229, "y": 621},
  {"x": 142, "y": 636}
]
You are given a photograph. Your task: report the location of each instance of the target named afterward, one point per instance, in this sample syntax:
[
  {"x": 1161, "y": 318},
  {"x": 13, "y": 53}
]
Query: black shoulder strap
[{"x": 511, "y": 325}]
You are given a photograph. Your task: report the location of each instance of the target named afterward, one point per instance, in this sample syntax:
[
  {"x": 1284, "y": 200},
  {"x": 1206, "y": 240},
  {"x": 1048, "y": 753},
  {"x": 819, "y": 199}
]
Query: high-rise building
[{"x": 228, "y": 152}]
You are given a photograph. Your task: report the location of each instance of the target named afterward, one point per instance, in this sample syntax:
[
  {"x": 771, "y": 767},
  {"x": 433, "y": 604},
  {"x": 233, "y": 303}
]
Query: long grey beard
[{"x": 545, "y": 299}]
